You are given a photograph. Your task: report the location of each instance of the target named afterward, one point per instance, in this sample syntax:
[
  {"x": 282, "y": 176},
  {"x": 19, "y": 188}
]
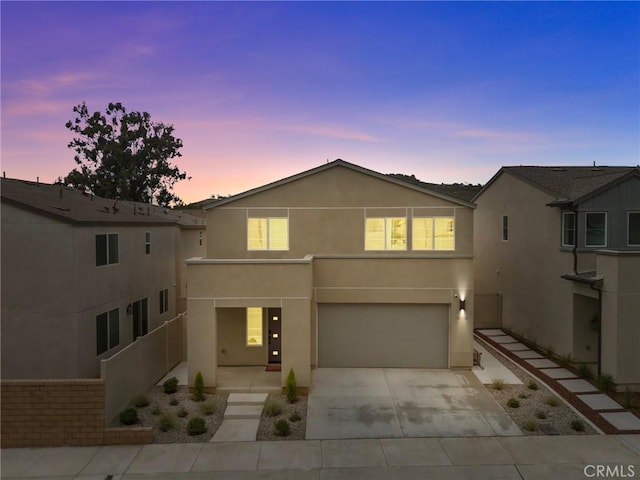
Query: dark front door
[{"x": 274, "y": 323}]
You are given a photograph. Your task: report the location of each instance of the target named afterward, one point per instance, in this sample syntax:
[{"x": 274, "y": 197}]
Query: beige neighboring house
[
  {"x": 558, "y": 261},
  {"x": 338, "y": 266},
  {"x": 83, "y": 276}
]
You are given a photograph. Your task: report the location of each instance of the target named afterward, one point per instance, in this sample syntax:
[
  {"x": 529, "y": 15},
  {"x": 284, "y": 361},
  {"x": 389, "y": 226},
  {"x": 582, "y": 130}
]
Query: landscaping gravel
[{"x": 266, "y": 429}]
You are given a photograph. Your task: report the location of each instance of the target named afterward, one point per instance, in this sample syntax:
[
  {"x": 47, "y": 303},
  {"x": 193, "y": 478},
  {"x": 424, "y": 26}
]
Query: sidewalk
[{"x": 528, "y": 458}]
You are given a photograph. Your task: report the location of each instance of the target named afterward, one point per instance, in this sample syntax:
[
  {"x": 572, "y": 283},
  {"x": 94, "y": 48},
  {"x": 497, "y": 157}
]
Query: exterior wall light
[{"x": 462, "y": 304}]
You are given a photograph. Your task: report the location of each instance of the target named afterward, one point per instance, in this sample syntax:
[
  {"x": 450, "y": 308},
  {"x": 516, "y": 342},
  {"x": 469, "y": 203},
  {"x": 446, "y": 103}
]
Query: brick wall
[{"x": 38, "y": 413}]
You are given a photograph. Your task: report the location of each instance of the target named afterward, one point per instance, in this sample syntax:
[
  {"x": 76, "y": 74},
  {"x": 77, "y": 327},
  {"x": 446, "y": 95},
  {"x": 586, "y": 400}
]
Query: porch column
[
  {"x": 202, "y": 341},
  {"x": 296, "y": 340}
]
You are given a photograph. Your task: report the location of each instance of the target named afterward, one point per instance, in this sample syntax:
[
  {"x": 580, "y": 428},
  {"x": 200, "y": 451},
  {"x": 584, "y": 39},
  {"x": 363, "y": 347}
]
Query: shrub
[
  {"x": 606, "y": 383},
  {"x": 209, "y": 407},
  {"x": 141, "y": 401},
  {"x": 170, "y": 385},
  {"x": 577, "y": 425},
  {"x": 295, "y": 417},
  {"x": 531, "y": 425},
  {"x": 283, "y": 428},
  {"x": 292, "y": 389},
  {"x": 182, "y": 412},
  {"x": 584, "y": 371},
  {"x": 552, "y": 401},
  {"x": 629, "y": 399},
  {"x": 272, "y": 408},
  {"x": 565, "y": 360},
  {"x": 156, "y": 410},
  {"x": 196, "y": 426},
  {"x": 498, "y": 384},
  {"x": 532, "y": 384},
  {"x": 550, "y": 351},
  {"x": 523, "y": 395},
  {"x": 174, "y": 401},
  {"x": 198, "y": 388},
  {"x": 167, "y": 421},
  {"x": 129, "y": 416},
  {"x": 513, "y": 403},
  {"x": 541, "y": 414}
]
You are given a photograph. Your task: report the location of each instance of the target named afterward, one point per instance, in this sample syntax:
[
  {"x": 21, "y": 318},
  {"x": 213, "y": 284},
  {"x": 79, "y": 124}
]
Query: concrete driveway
[{"x": 382, "y": 403}]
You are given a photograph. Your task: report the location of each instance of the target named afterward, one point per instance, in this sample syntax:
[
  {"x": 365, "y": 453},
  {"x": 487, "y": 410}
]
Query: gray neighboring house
[
  {"x": 83, "y": 276},
  {"x": 557, "y": 259}
]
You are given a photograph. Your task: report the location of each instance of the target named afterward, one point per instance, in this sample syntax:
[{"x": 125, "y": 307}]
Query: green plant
[
  {"x": 170, "y": 385},
  {"x": 141, "y": 401},
  {"x": 552, "y": 401},
  {"x": 167, "y": 421},
  {"x": 129, "y": 416},
  {"x": 209, "y": 407},
  {"x": 523, "y": 395},
  {"x": 272, "y": 408},
  {"x": 584, "y": 371},
  {"x": 174, "y": 401},
  {"x": 291, "y": 387},
  {"x": 198, "y": 388},
  {"x": 629, "y": 399},
  {"x": 550, "y": 351},
  {"x": 531, "y": 425},
  {"x": 182, "y": 412},
  {"x": 282, "y": 427},
  {"x": 532, "y": 384},
  {"x": 513, "y": 403},
  {"x": 606, "y": 383},
  {"x": 565, "y": 360},
  {"x": 196, "y": 426},
  {"x": 577, "y": 425},
  {"x": 295, "y": 417},
  {"x": 156, "y": 410},
  {"x": 497, "y": 383},
  {"x": 541, "y": 414}
]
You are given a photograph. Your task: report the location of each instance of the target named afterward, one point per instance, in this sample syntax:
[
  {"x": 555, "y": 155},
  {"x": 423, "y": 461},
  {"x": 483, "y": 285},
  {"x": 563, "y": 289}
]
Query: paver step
[
  {"x": 246, "y": 398},
  {"x": 243, "y": 411},
  {"x": 237, "y": 430}
]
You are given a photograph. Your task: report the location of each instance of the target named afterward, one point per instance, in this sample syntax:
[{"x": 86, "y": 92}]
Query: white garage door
[{"x": 383, "y": 335}]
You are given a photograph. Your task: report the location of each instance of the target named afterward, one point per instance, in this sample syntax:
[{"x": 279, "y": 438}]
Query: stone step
[
  {"x": 237, "y": 430},
  {"x": 243, "y": 411},
  {"x": 247, "y": 398}
]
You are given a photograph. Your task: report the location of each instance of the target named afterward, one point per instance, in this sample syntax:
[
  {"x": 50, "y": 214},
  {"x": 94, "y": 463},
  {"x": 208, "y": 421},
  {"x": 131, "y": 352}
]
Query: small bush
[
  {"x": 272, "y": 408},
  {"x": 606, "y": 383},
  {"x": 532, "y": 384},
  {"x": 156, "y": 410},
  {"x": 141, "y": 401},
  {"x": 523, "y": 395},
  {"x": 167, "y": 421},
  {"x": 209, "y": 407},
  {"x": 531, "y": 425},
  {"x": 513, "y": 403},
  {"x": 196, "y": 426},
  {"x": 174, "y": 401},
  {"x": 550, "y": 351},
  {"x": 552, "y": 401},
  {"x": 584, "y": 371},
  {"x": 129, "y": 416},
  {"x": 629, "y": 399},
  {"x": 541, "y": 414},
  {"x": 565, "y": 360},
  {"x": 198, "y": 388},
  {"x": 295, "y": 417},
  {"x": 292, "y": 388},
  {"x": 182, "y": 412},
  {"x": 497, "y": 384},
  {"x": 283, "y": 428},
  {"x": 170, "y": 385},
  {"x": 577, "y": 425}
]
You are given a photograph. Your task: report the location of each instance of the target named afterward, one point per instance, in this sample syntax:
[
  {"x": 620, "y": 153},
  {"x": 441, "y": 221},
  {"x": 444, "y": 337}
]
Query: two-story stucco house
[
  {"x": 338, "y": 266},
  {"x": 558, "y": 261},
  {"x": 83, "y": 276}
]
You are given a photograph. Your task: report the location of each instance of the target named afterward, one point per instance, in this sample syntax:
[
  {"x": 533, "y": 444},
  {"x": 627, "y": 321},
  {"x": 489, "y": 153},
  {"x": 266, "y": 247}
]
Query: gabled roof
[
  {"x": 73, "y": 206},
  {"x": 458, "y": 190},
  {"x": 568, "y": 185},
  {"x": 213, "y": 203}
]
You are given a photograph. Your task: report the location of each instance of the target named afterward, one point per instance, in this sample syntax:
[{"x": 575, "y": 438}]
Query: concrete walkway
[
  {"x": 241, "y": 418},
  {"x": 517, "y": 458}
]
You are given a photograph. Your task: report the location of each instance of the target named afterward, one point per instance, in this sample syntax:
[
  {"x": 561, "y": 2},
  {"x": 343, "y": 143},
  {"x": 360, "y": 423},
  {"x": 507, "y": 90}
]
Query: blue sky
[{"x": 447, "y": 91}]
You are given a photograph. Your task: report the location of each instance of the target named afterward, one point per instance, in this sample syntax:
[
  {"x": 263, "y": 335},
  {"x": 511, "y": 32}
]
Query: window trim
[
  {"x": 586, "y": 225},
  {"x": 629, "y": 213},
  {"x": 505, "y": 228},
  {"x": 562, "y": 239},
  {"x": 246, "y": 324},
  {"x": 268, "y": 246},
  {"x": 108, "y": 236},
  {"x": 433, "y": 233},
  {"x": 387, "y": 239}
]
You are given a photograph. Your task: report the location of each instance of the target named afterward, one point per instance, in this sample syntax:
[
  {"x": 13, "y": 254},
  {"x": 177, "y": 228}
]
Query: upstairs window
[
  {"x": 433, "y": 233},
  {"x": 596, "y": 229},
  {"x": 268, "y": 233},
  {"x": 107, "y": 331},
  {"x": 385, "y": 233},
  {"x": 107, "y": 249},
  {"x": 568, "y": 229},
  {"x": 147, "y": 243},
  {"x": 633, "y": 235},
  {"x": 505, "y": 228},
  {"x": 254, "y": 327}
]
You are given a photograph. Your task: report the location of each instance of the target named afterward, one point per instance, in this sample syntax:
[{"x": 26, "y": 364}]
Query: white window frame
[
  {"x": 629, "y": 213},
  {"x": 586, "y": 224},
  {"x": 387, "y": 223},
  {"x": 433, "y": 219},
  {"x": 107, "y": 235},
  {"x": 562, "y": 239},
  {"x": 268, "y": 246},
  {"x": 251, "y": 313}
]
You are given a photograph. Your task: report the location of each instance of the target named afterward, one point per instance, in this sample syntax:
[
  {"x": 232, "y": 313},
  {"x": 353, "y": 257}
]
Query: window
[
  {"x": 633, "y": 237},
  {"x": 164, "y": 300},
  {"x": 505, "y": 228},
  {"x": 147, "y": 243},
  {"x": 201, "y": 237},
  {"x": 596, "y": 229},
  {"x": 268, "y": 234},
  {"x": 568, "y": 229},
  {"x": 106, "y": 249},
  {"x": 254, "y": 327},
  {"x": 388, "y": 233},
  {"x": 107, "y": 331},
  {"x": 433, "y": 233}
]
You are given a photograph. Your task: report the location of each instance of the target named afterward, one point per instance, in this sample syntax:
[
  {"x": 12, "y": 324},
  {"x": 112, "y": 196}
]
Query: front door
[
  {"x": 274, "y": 323},
  {"x": 140, "y": 318}
]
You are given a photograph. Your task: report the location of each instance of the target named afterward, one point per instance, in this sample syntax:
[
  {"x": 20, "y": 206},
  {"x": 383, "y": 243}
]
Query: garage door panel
[{"x": 383, "y": 335}]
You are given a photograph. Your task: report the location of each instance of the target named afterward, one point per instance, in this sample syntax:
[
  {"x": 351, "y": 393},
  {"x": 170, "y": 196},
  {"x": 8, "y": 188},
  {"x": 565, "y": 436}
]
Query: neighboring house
[
  {"x": 338, "y": 266},
  {"x": 558, "y": 261},
  {"x": 83, "y": 276}
]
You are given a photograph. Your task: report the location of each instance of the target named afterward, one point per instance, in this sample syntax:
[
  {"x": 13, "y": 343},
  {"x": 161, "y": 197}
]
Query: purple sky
[{"x": 259, "y": 91}]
